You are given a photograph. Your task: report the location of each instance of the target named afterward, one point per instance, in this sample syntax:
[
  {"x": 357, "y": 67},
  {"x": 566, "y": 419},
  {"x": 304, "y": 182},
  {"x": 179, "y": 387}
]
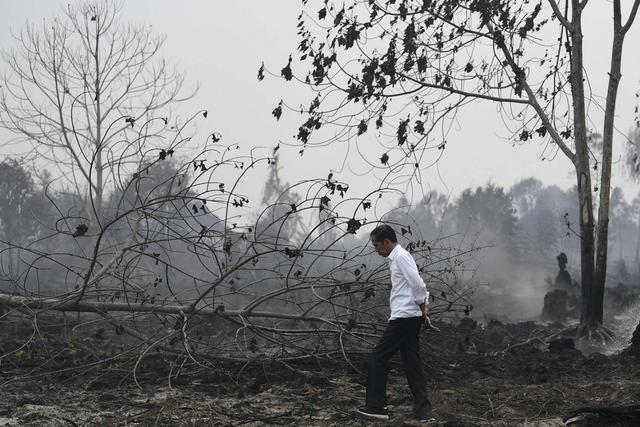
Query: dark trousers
[{"x": 403, "y": 335}]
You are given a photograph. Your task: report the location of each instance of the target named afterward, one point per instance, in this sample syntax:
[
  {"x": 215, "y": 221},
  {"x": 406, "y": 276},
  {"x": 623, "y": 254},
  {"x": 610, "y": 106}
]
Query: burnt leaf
[
  {"x": 402, "y": 131},
  {"x": 261, "y": 72},
  {"x": 566, "y": 134},
  {"x": 286, "y": 71},
  {"x": 351, "y": 35},
  {"x": 292, "y": 253},
  {"x": 338, "y": 18},
  {"x": 80, "y": 230},
  {"x": 353, "y": 225},
  {"x": 541, "y": 131},
  {"x": 422, "y": 64},
  {"x": 362, "y": 127},
  {"x": 324, "y": 201},
  {"x": 277, "y": 112}
]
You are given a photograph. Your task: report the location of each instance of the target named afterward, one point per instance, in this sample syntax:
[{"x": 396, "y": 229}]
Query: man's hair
[{"x": 384, "y": 231}]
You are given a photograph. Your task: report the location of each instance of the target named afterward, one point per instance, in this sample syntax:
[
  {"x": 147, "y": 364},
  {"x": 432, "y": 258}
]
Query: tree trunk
[
  {"x": 637, "y": 257},
  {"x": 98, "y": 194},
  {"x": 596, "y": 301},
  {"x": 583, "y": 170},
  {"x": 98, "y": 142},
  {"x": 587, "y": 242}
]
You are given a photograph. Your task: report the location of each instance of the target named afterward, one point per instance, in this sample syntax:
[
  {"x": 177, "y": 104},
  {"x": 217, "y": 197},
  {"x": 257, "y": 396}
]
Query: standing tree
[
  {"x": 488, "y": 209},
  {"x": 408, "y": 65},
  {"x": 76, "y": 88},
  {"x": 20, "y": 205},
  {"x": 524, "y": 195}
]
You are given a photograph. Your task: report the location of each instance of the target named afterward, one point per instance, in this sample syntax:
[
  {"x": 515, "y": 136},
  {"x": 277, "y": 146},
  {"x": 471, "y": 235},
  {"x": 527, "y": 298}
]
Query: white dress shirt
[{"x": 408, "y": 290}]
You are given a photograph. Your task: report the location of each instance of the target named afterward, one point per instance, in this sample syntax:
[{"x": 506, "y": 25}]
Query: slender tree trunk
[
  {"x": 637, "y": 257},
  {"x": 596, "y": 301},
  {"x": 98, "y": 195},
  {"x": 98, "y": 142},
  {"x": 587, "y": 242},
  {"x": 583, "y": 170}
]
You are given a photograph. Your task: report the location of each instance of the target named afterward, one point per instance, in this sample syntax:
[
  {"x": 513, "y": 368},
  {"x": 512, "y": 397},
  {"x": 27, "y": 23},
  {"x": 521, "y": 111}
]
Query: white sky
[{"x": 221, "y": 43}]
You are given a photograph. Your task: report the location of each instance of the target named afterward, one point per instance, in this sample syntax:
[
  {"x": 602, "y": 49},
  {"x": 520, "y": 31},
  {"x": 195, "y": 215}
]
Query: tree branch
[
  {"x": 563, "y": 20},
  {"x": 519, "y": 74},
  {"x": 632, "y": 16}
]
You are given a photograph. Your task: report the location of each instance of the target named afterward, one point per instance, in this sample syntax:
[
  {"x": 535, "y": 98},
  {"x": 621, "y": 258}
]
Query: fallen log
[{"x": 70, "y": 304}]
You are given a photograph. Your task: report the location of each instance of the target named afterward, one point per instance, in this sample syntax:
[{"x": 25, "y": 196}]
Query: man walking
[{"x": 408, "y": 301}]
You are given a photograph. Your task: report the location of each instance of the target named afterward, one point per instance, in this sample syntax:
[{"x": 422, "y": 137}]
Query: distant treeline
[
  {"x": 523, "y": 228},
  {"x": 528, "y": 224}
]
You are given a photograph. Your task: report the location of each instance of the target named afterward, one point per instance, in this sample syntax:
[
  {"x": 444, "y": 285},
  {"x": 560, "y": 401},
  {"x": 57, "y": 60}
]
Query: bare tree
[
  {"x": 76, "y": 87},
  {"x": 407, "y": 66}
]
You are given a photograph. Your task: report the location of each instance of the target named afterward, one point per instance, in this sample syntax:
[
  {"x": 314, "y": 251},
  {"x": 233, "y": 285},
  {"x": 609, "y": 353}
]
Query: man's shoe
[
  {"x": 426, "y": 418},
  {"x": 373, "y": 413}
]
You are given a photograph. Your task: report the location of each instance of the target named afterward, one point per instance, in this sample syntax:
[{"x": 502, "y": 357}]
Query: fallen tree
[{"x": 181, "y": 265}]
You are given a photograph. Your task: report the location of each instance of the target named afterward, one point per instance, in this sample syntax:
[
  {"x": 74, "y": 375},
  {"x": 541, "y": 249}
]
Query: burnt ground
[{"x": 497, "y": 374}]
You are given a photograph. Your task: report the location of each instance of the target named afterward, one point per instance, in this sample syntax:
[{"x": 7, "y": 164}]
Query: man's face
[{"x": 383, "y": 248}]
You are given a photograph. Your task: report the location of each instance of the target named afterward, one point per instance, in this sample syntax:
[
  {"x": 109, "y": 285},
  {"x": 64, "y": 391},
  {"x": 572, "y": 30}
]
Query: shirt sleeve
[{"x": 409, "y": 270}]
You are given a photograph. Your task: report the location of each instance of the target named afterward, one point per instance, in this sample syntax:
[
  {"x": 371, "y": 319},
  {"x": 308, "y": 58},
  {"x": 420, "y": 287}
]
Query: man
[{"x": 408, "y": 301}]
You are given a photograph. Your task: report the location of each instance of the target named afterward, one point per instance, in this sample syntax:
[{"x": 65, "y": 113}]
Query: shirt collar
[{"x": 394, "y": 252}]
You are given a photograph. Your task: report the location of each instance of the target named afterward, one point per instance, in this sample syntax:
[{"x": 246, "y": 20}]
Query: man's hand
[{"x": 426, "y": 319}]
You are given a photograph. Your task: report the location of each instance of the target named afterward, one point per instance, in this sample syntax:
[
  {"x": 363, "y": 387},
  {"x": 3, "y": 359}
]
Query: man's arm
[
  {"x": 425, "y": 317},
  {"x": 409, "y": 270}
]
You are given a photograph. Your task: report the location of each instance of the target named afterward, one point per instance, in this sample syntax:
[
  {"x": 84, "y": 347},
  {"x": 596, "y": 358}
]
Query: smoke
[{"x": 507, "y": 288}]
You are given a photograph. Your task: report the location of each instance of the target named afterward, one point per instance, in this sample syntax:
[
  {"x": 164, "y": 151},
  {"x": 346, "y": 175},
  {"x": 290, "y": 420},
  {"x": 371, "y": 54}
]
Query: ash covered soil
[{"x": 495, "y": 375}]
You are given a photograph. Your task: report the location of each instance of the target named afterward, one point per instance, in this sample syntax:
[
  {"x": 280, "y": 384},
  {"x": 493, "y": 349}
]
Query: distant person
[
  {"x": 563, "y": 279},
  {"x": 561, "y": 303},
  {"x": 408, "y": 301}
]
